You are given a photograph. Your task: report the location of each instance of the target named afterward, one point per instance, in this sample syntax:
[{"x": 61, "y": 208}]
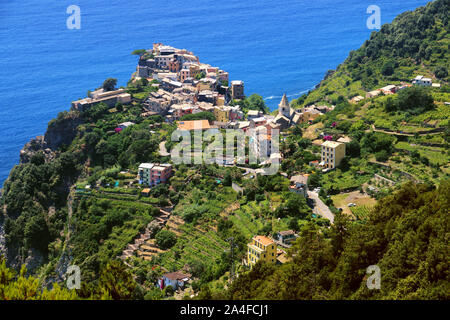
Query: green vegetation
[
  {"x": 414, "y": 43},
  {"x": 83, "y": 201},
  {"x": 332, "y": 264},
  {"x": 415, "y": 100},
  {"x": 253, "y": 102},
  {"x": 109, "y": 84},
  {"x": 114, "y": 283},
  {"x": 205, "y": 115},
  {"x": 165, "y": 239}
]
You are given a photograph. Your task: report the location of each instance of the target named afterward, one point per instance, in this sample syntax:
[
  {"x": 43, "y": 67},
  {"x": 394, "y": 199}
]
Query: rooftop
[
  {"x": 193, "y": 125},
  {"x": 253, "y": 112},
  {"x": 265, "y": 241},
  {"x": 286, "y": 233},
  {"x": 331, "y": 144},
  {"x": 301, "y": 178},
  {"x": 146, "y": 165},
  {"x": 176, "y": 276}
]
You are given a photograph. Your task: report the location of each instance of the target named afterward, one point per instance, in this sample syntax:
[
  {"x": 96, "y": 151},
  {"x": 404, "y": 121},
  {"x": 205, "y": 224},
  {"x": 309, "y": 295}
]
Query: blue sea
[{"x": 275, "y": 47}]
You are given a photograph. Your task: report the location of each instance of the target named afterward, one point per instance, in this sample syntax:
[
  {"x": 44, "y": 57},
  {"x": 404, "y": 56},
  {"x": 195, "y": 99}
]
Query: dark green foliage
[
  {"x": 441, "y": 72},
  {"x": 405, "y": 235},
  {"x": 375, "y": 142},
  {"x": 388, "y": 68},
  {"x": 414, "y": 100},
  {"x": 109, "y": 84},
  {"x": 294, "y": 205},
  {"x": 382, "y": 155},
  {"x": 139, "y": 52},
  {"x": 205, "y": 115},
  {"x": 254, "y": 102},
  {"x": 165, "y": 239},
  {"x": 36, "y": 233}
]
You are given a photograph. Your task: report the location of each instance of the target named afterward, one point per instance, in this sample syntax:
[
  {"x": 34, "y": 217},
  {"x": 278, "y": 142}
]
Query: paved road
[{"x": 320, "y": 207}]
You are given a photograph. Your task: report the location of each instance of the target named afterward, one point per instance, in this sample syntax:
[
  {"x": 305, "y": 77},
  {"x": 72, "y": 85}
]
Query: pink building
[{"x": 152, "y": 174}]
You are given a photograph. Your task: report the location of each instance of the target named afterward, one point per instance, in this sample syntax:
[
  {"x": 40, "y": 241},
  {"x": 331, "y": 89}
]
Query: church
[{"x": 286, "y": 116}]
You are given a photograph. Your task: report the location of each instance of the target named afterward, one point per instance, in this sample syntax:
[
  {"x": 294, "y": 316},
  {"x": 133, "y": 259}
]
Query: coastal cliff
[
  {"x": 60, "y": 132},
  {"x": 35, "y": 193}
]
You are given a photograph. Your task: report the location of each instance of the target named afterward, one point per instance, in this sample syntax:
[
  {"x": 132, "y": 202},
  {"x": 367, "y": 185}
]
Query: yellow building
[
  {"x": 332, "y": 154},
  {"x": 261, "y": 248},
  {"x": 222, "y": 114}
]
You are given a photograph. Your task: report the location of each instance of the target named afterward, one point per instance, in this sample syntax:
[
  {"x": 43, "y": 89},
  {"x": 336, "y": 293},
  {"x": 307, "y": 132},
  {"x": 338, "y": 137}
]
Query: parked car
[{"x": 351, "y": 204}]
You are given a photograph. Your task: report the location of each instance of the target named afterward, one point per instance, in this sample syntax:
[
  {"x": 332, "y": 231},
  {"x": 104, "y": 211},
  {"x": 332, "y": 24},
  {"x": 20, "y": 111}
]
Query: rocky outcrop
[
  {"x": 33, "y": 147},
  {"x": 62, "y": 130}
]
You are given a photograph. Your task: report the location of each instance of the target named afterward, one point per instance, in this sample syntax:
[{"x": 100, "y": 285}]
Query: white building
[{"x": 421, "y": 81}]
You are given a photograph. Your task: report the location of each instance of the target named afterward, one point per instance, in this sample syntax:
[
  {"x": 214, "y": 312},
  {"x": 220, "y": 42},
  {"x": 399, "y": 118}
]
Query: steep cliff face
[
  {"x": 62, "y": 130},
  {"x": 33, "y": 147},
  {"x": 34, "y": 199}
]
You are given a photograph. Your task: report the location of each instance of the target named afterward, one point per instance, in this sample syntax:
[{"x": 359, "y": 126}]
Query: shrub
[
  {"x": 165, "y": 239},
  {"x": 382, "y": 156}
]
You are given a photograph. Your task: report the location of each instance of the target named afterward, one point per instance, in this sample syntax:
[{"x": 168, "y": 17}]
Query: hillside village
[
  {"x": 348, "y": 149},
  {"x": 181, "y": 87}
]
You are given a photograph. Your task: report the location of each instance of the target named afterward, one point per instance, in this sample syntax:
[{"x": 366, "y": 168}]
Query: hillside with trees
[
  {"x": 406, "y": 236},
  {"x": 416, "y": 42},
  {"x": 75, "y": 197}
]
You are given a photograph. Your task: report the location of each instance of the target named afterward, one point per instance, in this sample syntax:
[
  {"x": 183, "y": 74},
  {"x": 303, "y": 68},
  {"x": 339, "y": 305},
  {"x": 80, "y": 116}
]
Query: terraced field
[
  {"x": 194, "y": 244},
  {"x": 361, "y": 212},
  {"x": 248, "y": 220}
]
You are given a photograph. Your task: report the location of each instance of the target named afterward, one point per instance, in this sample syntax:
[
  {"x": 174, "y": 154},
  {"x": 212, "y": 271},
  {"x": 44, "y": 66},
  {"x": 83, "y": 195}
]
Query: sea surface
[{"x": 275, "y": 47}]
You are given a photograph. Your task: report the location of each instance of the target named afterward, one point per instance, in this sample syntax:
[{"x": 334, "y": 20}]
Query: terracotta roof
[
  {"x": 303, "y": 179},
  {"x": 265, "y": 241},
  {"x": 286, "y": 233},
  {"x": 176, "y": 275},
  {"x": 193, "y": 124}
]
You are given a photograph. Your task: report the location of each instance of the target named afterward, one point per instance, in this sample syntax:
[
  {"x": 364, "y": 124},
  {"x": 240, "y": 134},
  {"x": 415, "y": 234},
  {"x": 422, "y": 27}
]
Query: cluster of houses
[
  {"x": 391, "y": 89},
  {"x": 387, "y": 90},
  {"x": 262, "y": 125},
  {"x": 422, "y": 81},
  {"x": 187, "y": 86}
]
